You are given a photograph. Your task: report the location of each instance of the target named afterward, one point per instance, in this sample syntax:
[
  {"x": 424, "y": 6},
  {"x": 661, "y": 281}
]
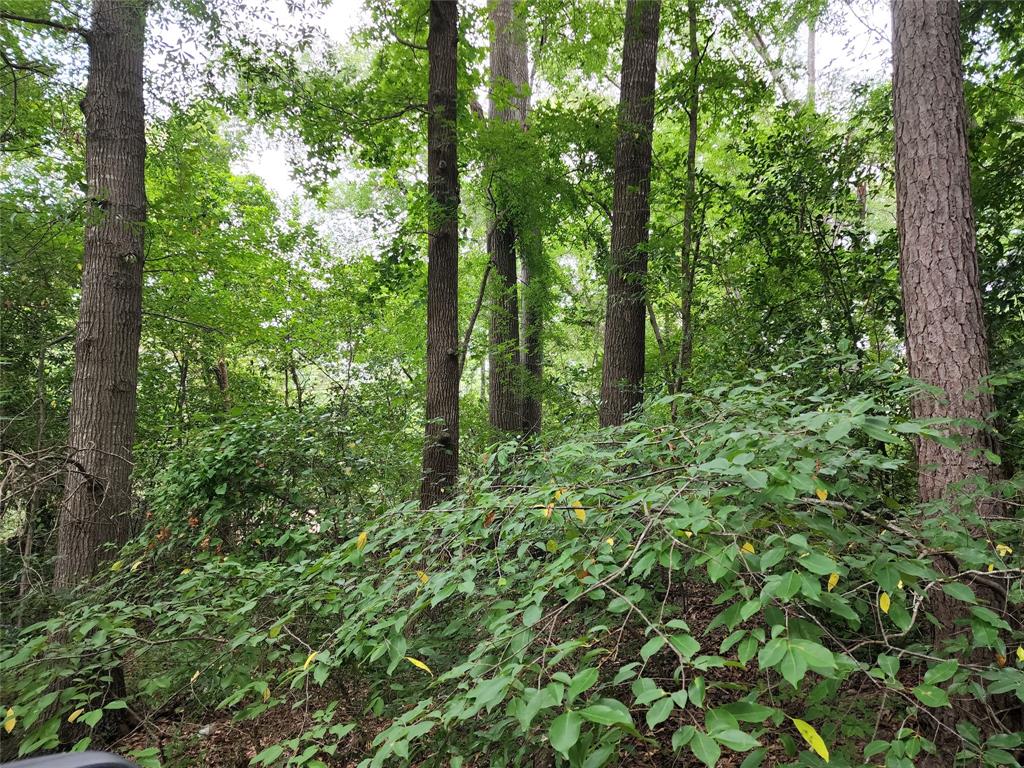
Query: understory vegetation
[{"x": 753, "y": 577}]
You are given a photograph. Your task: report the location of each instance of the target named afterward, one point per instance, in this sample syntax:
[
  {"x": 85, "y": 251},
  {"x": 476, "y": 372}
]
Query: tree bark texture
[
  {"x": 97, "y": 495},
  {"x": 508, "y": 104},
  {"x": 441, "y": 446},
  {"x": 623, "y": 369},
  {"x": 945, "y": 329}
]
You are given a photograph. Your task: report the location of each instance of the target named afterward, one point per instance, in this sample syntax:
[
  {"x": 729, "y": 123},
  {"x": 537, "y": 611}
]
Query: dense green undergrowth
[{"x": 549, "y": 607}]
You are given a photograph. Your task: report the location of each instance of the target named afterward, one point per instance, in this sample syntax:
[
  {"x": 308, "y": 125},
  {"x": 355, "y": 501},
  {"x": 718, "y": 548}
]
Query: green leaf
[
  {"x": 931, "y": 696},
  {"x": 659, "y": 713},
  {"x": 652, "y": 646},
  {"x": 736, "y": 740},
  {"x": 565, "y": 732},
  {"x": 604, "y": 714},
  {"x": 532, "y": 615},
  {"x": 581, "y": 681},
  {"x": 705, "y": 749},
  {"x": 959, "y": 591},
  {"x": 685, "y": 644},
  {"x": 941, "y": 672}
]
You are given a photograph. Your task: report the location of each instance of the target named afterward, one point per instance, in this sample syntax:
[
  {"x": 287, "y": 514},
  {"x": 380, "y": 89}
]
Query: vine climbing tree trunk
[
  {"x": 97, "y": 495},
  {"x": 623, "y": 368},
  {"x": 441, "y": 444}
]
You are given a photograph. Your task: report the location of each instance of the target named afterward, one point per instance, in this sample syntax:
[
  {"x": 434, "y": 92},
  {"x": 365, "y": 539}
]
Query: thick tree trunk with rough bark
[
  {"x": 97, "y": 496},
  {"x": 623, "y": 371},
  {"x": 441, "y": 446},
  {"x": 508, "y": 103},
  {"x": 945, "y": 329}
]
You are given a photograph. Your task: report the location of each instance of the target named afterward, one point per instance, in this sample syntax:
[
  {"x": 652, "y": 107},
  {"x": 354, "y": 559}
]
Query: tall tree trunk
[
  {"x": 945, "y": 330},
  {"x": 508, "y": 104},
  {"x": 623, "y": 371},
  {"x": 441, "y": 445},
  {"x": 97, "y": 493},
  {"x": 812, "y": 66},
  {"x": 690, "y": 251},
  {"x": 532, "y": 328}
]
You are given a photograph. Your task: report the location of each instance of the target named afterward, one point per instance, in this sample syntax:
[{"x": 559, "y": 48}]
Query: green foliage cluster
[{"x": 724, "y": 583}]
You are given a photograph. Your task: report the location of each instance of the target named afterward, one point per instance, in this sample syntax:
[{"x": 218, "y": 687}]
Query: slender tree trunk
[
  {"x": 623, "y": 370},
  {"x": 441, "y": 445},
  {"x": 812, "y": 67},
  {"x": 97, "y": 493},
  {"x": 689, "y": 254},
  {"x": 532, "y": 328},
  {"x": 945, "y": 329},
  {"x": 509, "y": 73}
]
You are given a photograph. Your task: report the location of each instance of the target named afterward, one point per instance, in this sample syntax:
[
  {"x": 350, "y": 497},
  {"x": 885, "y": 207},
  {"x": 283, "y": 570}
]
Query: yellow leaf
[
  {"x": 821, "y": 493},
  {"x": 423, "y": 576},
  {"x": 309, "y": 660},
  {"x": 884, "y": 602},
  {"x": 558, "y": 493},
  {"x": 549, "y": 509},
  {"x": 1002, "y": 550},
  {"x": 117, "y": 565},
  {"x": 266, "y": 694},
  {"x": 581, "y": 513},
  {"x": 899, "y": 584},
  {"x": 75, "y": 715},
  {"x": 419, "y": 665},
  {"x": 194, "y": 677},
  {"x": 9, "y": 721},
  {"x": 833, "y": 579},
  {"x": 610, "y": 541},
  {"x": 135, "y": 565},
  {"x": 688, "y": 534},
  {"x": 1020, "y": 653},
  {"x": 748, "y": 548},
  {"x": 185, "y": 571},
  {"x": 361, "y": 540},
  {"x": 811, "y": 737},
  {"x": 991, "y": 567}
]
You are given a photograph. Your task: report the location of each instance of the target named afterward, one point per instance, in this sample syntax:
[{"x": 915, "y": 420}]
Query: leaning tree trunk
[
  {"x": 623, "y": 372},
  {"x": 945, "y": 329},
  {"x": 441, "y": 446},
  {"x": 507, "y": 104},
  {"x": 97, "y": 495}
]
